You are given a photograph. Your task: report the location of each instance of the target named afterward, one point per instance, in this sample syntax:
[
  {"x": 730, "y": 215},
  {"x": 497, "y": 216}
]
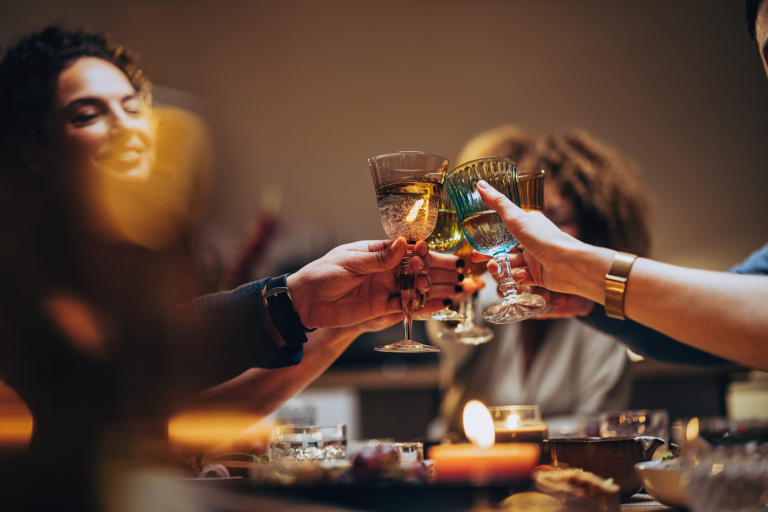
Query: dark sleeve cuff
[
  {"x": 650, "y": 343},
  {"x": 230, "y": 324}
]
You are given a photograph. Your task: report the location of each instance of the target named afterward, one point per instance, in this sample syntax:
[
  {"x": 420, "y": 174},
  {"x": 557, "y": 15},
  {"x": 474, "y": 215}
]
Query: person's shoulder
[{"x": 756, "y": 263}]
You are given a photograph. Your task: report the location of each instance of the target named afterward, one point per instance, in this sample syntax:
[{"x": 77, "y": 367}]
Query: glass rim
[
  {"x": 394, "y": 153},
  {"x": 526, "y": 172},
  {"x": 513, "y": 407},
  {"x": 302, "y": 426},
  {"x": 484, "y": 158},
  {"x": 634, "y": 411}
]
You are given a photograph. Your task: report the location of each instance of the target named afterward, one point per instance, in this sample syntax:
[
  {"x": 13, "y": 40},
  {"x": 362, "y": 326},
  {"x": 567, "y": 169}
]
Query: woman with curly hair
[{"x": 567, "y": 368}]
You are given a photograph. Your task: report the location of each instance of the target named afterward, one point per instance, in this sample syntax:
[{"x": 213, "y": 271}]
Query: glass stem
[
  {"x": 407, "y": 290},
  {"x": 469, "y": 310},
  {"x": 507, "y": 285}
]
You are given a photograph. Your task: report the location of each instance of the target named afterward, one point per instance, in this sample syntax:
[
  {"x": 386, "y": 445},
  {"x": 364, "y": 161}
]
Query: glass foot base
[
  {"x": 526, "y": 305},
  {"x": 407, "y": 346},
  {"x": 443, "y": 316},
  {"x": 472, "y": 334}
]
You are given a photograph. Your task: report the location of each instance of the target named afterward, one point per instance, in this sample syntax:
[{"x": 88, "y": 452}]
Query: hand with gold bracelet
[{"x": 720, "y": 313}]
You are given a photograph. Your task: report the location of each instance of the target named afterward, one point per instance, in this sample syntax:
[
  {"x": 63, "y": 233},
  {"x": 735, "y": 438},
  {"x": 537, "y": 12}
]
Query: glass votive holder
[
  {"x": 308, "y": 442},
  {"x": 518, "y": 424},
  {"x": 643, "y": 422},
  {"x": 409, "y": 452}
]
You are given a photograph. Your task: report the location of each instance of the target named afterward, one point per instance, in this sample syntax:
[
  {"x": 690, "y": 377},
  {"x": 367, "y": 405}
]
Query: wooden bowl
[{"x": 613, "y": 457}]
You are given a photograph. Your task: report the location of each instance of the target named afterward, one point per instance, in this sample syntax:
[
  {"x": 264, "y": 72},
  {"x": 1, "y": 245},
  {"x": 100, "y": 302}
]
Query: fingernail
[
  {"x": 458, "y": 288},
  {"x": 396, "y": 245},
  {"x": 482, "y": 183},
  {"x": 460, "y": 263},
  {"x": 447, "y": 302},
  {"x": 460, "y": 278}
]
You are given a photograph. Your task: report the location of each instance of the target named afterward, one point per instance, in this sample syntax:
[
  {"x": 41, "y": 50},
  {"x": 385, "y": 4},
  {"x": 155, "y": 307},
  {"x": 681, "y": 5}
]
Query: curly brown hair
[
  {"x": 611, "y": 203},
  {"x": 28, "y": 74}
]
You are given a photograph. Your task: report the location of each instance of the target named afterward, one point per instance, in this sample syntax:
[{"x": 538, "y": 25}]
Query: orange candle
[
  {"x": 483, "y": 461},
  {"x": 472, "y": 464}
]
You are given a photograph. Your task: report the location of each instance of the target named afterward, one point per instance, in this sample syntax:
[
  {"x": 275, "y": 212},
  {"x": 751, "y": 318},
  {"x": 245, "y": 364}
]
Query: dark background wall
[{"x": 300, "y": 93}]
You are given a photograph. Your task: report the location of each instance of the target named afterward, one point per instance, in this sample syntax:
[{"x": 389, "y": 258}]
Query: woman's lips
[
  {"x": 130, "y": 155},
  {"x": 122, "y": 161}
]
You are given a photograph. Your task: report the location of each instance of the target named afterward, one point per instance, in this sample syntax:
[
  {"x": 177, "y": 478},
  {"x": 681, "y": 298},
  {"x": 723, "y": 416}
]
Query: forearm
[
  {"x": 259, "y": 392},
  {"x": 720, "y": 313}
]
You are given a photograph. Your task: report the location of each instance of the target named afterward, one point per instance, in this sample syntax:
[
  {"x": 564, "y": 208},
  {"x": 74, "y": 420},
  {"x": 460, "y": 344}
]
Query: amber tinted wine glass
[{"x": 408, "y": 188}]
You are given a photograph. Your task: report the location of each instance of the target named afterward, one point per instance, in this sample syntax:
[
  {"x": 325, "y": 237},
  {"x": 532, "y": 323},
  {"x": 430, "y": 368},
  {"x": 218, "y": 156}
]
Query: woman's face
[
  {"x": 560, "y": 209},
  {"x": 99, "y": 124}
]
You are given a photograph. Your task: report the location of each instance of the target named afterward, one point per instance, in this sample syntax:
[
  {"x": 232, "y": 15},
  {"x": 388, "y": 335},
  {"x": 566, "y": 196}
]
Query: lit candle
[{"x": 483, "y": 461}]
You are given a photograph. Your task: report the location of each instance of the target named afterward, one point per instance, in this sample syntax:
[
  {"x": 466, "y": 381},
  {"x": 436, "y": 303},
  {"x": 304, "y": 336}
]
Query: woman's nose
[{"x": 121, "y": 122}]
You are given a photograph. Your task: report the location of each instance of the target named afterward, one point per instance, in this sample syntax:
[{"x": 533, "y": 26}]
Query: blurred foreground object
[{"x": 16, "y": 423}]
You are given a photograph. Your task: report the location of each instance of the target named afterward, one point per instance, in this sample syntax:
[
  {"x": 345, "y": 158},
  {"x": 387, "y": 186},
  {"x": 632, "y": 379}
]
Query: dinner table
[{"x": 236, "y": 498}]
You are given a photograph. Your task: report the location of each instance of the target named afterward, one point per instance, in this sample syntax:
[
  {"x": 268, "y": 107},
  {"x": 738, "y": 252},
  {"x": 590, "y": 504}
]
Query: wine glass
[
  {"x": 530, "y": 185},
  {"x": 445, "y": 239},
  {"x": 408, "y": 188},
  {"x": 467, "y": 332},
  {"x": 484, "y": 229}
]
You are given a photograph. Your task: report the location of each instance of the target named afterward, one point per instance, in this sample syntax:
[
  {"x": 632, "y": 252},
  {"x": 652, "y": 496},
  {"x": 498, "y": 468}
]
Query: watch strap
[
  {"x": 616, "y": 284},
  {"x": 279, "y": 310}
]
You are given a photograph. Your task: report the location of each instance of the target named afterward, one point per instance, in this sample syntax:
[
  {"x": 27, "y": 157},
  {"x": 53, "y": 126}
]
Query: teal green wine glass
[
  {"x": 408, "y": 188},
  {"x": 485, "y": 231}
]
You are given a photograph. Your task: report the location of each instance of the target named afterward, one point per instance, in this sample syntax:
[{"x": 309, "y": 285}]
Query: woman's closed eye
[
  {"x": 85, "y": 116},
  {"x": 133, "y": 105}
]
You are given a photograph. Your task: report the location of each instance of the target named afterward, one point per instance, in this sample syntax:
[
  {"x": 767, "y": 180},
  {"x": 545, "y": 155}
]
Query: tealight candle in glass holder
[
  {"x": 518, "y": 424},
  {"x": 308, "y": 442}
]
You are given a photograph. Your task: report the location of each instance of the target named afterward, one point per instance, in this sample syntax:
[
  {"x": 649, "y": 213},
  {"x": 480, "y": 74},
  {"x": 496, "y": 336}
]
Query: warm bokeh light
[
  {"x": 16, "y": 422},
  {"x": 79, "y": 322},
  {"x": 202, "y": 431},
  {"x": 692, "y": 430},
  {"x": 512, "y": 421},
  {"x": 478, "y": 424}
]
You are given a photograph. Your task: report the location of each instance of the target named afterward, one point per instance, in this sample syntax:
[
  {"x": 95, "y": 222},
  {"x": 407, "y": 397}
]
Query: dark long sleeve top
[
  {"x": 660, "y": 347},
  {"x": 232, "y": 319}
]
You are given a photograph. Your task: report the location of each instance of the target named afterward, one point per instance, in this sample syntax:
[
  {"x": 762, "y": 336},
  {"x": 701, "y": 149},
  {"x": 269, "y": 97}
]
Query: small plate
[{"x": 667, "y": 485}]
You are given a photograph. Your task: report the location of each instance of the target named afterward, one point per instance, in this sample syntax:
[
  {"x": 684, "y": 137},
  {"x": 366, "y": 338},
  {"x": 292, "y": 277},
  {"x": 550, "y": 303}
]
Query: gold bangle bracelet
[{"x": 616, "y": 284}]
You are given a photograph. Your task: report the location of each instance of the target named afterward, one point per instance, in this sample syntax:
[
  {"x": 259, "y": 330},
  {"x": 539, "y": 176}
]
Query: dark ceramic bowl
[{"x": 613, "y": 457}]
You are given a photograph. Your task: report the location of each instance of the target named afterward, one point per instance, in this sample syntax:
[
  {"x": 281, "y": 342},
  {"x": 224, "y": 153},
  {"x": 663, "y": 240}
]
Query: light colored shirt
[{"x": 577, "y": 371}]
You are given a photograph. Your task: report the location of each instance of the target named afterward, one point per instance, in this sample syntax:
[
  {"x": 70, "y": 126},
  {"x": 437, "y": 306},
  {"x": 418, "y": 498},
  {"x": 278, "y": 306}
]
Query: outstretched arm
[{"x": 723, "y": 314}]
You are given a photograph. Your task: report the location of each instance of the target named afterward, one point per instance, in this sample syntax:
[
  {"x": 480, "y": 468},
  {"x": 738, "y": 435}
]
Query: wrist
[
  {"x": 589, "y": 265},
  {"x": 295, "y": 284}
]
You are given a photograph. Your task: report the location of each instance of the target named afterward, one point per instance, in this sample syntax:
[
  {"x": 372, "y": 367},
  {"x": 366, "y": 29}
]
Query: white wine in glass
[{"x": 408, "y": 187}]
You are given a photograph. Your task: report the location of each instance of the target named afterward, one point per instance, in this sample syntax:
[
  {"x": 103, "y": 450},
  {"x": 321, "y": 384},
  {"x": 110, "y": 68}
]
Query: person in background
[{"x": 569, "y": 369}]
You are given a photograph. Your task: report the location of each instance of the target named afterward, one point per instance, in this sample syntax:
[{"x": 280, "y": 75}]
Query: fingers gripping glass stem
[
  {"x": 513, "y": 307},
  {"x": 407, "y": 291}
]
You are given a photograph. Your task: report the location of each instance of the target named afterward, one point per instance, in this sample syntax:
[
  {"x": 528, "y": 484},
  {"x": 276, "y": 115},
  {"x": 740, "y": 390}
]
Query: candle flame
[
  {"x": 512, "y": 421},
  {"x": 414, "y": 211},
  {"x": 478, "y": 424},
  {"x": 692, "y": 430}
]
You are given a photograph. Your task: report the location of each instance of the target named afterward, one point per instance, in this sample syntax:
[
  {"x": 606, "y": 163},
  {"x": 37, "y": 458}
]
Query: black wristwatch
[{"x": 280, "y": 309}]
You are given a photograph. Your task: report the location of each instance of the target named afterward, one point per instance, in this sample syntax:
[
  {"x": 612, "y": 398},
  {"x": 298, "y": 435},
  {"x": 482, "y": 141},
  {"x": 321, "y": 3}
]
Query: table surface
[{"x": 220, "y": 499}]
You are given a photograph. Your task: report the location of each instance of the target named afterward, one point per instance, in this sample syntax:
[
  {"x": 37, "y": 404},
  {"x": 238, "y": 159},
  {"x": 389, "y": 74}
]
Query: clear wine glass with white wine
[
  {"x": 445, "y": 239},
  {"x": 484, "y": 229},
  {"x": 408, "y": 188}
]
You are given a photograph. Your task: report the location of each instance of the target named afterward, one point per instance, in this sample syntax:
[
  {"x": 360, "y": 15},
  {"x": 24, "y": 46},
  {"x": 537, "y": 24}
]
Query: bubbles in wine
[{"x": 409, "y": 209}]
